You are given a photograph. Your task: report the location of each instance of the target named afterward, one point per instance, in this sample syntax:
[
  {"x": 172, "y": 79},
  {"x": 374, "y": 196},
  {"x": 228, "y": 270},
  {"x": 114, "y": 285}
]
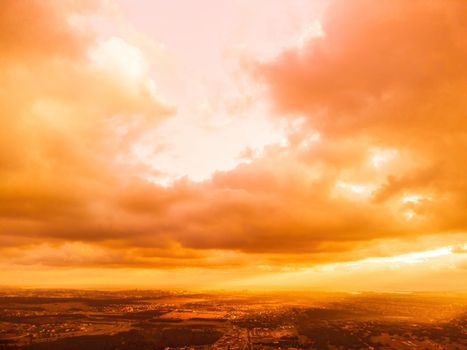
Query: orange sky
[{"x": 316, "y": 144}]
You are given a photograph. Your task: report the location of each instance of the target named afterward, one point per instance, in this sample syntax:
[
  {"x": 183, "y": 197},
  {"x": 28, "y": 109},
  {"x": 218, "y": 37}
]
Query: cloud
[
  {"x": 387, "y": 79},
  {"x": 59, "y": 110},
  {"x": 388, "y": 75},
  {"x": 393, "y": 48},
  {"x": 33, "y": 29}
]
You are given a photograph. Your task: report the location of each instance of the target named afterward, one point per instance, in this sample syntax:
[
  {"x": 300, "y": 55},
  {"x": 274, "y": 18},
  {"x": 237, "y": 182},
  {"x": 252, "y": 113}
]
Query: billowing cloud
[
  {"x": 65, "y": 116},
  {"x": 386, "y": 82},
  {"x": 373, "y": 110}
]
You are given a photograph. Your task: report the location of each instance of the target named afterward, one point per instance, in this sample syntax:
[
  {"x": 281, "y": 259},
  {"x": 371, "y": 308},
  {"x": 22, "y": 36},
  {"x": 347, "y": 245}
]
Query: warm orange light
[{"x": 233, "y": 144}]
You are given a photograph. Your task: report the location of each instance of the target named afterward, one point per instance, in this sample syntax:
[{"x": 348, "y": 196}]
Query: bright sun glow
[
  {"x": 119, "y": 57},
  {"x": 380, "y": 157}
]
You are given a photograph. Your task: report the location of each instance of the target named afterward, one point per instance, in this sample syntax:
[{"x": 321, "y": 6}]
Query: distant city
[{"x": 143, "y": 320}]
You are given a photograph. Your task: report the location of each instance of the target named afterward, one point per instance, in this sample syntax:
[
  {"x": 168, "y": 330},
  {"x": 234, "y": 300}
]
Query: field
[{"x": 78, "y": 320}]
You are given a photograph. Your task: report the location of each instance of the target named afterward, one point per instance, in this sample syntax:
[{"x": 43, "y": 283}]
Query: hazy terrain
[{"x": 73, "y": 319}]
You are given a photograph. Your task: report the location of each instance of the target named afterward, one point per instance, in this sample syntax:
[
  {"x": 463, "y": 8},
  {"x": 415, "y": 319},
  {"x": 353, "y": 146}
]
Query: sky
[{"x": 312, "y": 145}]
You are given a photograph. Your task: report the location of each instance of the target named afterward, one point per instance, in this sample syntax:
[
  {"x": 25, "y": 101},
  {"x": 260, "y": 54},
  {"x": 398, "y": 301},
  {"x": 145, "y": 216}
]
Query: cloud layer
[{"x": 376, "y": 130}]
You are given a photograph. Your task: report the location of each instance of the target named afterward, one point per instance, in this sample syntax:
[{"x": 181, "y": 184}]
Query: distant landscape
[{"x": 103, "y": 320}]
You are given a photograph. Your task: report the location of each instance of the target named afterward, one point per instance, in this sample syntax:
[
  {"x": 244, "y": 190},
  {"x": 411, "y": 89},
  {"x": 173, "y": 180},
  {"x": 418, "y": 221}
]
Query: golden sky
[{"x": 298, "y": 144}]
